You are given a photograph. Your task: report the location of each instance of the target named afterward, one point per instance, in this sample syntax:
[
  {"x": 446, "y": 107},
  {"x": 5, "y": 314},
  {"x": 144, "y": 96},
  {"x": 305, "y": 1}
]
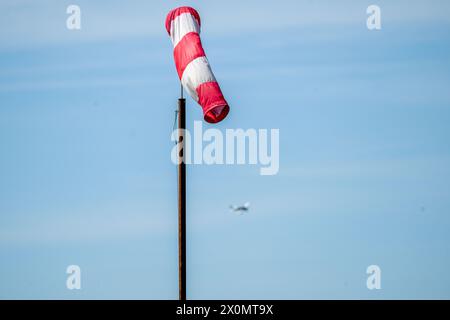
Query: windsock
[{"x": 194, "y": 71}]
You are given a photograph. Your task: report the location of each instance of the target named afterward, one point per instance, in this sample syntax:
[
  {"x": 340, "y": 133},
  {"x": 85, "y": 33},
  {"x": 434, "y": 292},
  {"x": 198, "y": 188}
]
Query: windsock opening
[
  {"x": 215, "y": 108},
  {"x": 216, "y": 114}
]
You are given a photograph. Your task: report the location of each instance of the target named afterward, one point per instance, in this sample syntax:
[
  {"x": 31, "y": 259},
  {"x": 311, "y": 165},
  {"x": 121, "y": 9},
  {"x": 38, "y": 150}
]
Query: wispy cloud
[
  {"x": 91, "y": 82},
  {"x": 400, "y": 169},
  {"x": 31, "y": 23},
  {"x": 87, "y": 228}
]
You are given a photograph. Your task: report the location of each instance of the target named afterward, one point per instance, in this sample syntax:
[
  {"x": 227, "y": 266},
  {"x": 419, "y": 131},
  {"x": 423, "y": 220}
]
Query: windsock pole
[{"x": 181, "y": 199}]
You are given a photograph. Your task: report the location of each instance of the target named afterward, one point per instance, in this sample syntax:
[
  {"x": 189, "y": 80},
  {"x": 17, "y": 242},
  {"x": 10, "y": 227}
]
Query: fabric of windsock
[{"x": 194, "y": 71}]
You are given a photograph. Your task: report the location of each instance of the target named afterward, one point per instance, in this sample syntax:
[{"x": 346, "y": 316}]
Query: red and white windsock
[{"x": 183, "y": 26}]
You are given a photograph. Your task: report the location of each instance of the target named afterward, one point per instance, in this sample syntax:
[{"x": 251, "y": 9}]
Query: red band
[
  {"x": 214, "y": 106},
  {"x": 188, "y": 49},
  {"x": 176, "y": 12}
]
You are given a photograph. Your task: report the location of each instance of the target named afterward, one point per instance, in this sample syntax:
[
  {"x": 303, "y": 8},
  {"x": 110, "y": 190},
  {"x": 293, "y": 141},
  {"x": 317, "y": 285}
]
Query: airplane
[{"x": 240, "y": 209}]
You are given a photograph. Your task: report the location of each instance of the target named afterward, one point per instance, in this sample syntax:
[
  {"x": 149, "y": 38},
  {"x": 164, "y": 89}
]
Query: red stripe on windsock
[
  {"x": 176, "y": 12},
  {"x": 210, "y": 97},
  {"x": 188, "y": 49}
]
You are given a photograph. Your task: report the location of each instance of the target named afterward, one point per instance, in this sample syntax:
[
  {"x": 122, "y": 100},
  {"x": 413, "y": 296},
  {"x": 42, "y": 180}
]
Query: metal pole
[{"x": 181, "y": 201}]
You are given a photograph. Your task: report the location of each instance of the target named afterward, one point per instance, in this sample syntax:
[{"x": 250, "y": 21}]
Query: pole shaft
[{"x": 181, "y": 201}]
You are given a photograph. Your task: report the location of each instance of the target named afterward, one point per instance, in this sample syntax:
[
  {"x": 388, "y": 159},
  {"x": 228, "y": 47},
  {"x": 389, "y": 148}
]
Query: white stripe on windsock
[
  {"x": 196, "y": 73},
  {"x": 182, "y": 25}
]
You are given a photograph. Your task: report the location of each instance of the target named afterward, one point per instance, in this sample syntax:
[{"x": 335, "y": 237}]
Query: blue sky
[{"x": 86, "y": 176}]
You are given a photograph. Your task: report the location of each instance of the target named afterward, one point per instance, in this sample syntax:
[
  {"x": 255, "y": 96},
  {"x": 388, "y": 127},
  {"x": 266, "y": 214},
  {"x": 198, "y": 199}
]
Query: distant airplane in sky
[{"x": 240, "y": 209}]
